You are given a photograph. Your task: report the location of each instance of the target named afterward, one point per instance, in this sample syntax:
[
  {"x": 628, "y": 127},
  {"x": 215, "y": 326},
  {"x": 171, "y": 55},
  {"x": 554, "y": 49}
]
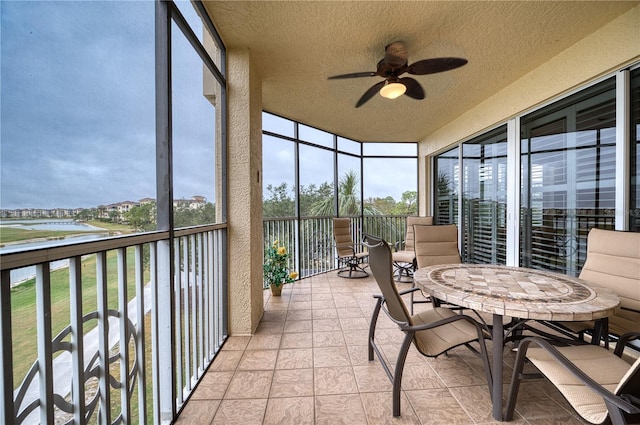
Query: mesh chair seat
[
  {"x": 596, "y": 382},
  {"x": 433, "y": 342}
]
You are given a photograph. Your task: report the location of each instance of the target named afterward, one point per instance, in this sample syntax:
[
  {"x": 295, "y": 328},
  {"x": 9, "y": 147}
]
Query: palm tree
[{"x": 349, "y": 202}]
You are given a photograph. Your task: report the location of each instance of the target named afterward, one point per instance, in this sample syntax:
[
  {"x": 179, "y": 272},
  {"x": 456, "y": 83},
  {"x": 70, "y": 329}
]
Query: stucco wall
[
  {"x": 245, "y": 191},
  {"x": 606, "y": 50}
]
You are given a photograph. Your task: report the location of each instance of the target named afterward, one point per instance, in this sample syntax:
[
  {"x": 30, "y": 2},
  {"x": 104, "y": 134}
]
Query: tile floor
[{"x": 307, "y": 364}]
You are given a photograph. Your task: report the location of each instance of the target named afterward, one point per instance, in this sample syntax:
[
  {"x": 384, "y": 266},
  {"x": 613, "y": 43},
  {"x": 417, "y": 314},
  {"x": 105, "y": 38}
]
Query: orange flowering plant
[{"x": 276, "y": 266}]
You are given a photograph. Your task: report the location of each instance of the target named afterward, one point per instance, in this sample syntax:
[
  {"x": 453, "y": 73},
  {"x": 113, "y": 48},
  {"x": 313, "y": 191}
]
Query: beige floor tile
[
  {"x": 334, "y": 380},
  {"x": 274, "y": 316},
  {"x": 240, "y": 412},
  {"x": 297, "y": 326},
  {"x": 326, "y": 325},
  {"x": 295, "y": 358},
  {"x": 353, "y": 323},
  {"x": 331, "y": 356},
  {"x": 476, "y": 401},
  {"x": 359, "y": 355},
  {"x": 290, "y": 411},
  {"x": 226, "y": 361},
  {"x": 296, "y": 340},
  {"x": 292, "y": 383},
  {"x": 264, "y": 342},
  {"x": 321, "y": 296},
  {"x": 258, "y": 360},
  {"x": 438, "y": 407},
  {"x": 324, "y": 313},
  {"x": 299, "y": 315},
  {"x": 378, "y": 408},
  {"x": 212, "y": 386},
  {"x": 420, "y": 376},
  {"x": 249, "y": 384},
  {"x": 236, "y": 343},
  {"x": 198, "y": 412},
  {"x": 274, "y": 327},
  {"x": 356, "y": 337},
  {"x": 328, "y": 339},
  {"x": 371, "y": 378},
  {"x": 339, "y": 409},
  {"x": 299, "y": 305},
  {"x": 350, "y": 312}
]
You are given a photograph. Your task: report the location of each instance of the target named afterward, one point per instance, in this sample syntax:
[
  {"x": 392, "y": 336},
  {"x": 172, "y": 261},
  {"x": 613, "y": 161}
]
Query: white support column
[
  {"x": 623, "y": 148},
  {"x": 513, "y": 192}
]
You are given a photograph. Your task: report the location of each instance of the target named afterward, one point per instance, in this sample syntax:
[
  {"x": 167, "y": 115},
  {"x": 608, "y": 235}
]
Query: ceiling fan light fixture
[{"x": 393, "y": 90}]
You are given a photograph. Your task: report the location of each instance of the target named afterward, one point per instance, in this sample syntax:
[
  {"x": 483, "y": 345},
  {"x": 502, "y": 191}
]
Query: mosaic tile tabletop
[{"x": 517, "y": 292}]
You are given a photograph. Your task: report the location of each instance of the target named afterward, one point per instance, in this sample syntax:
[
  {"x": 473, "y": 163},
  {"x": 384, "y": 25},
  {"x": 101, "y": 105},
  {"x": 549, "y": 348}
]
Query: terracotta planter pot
[{"x": 276, "y": 291}]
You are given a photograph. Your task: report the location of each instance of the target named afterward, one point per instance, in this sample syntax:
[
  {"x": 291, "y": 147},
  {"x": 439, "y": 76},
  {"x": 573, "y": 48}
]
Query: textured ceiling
[{"x": 297, "y": 45}]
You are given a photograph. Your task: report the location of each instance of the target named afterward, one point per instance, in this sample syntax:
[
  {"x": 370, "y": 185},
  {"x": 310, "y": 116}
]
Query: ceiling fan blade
[
  {"x": 414, "y": 89},
  {"x": 353, "y": 75},
  {"x": 370, "y": 93},
  {"x": 395, "y": 54},
  {"x": 431, "y": 66}
]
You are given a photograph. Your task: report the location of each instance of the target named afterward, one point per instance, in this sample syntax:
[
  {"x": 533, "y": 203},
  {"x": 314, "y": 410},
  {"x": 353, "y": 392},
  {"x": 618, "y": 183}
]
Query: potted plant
[{"x": 276, "y": 268}]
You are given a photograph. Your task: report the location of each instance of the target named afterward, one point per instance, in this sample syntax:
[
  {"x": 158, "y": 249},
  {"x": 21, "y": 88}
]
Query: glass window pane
[
  {"x": 278, "y": 185},
  {"x": 194, "y": 156},
  {"x": 634, "y": 213},
  {"x": 350, "y": 146},
  {"x": 277, "y": 125},
  {"x": 192, "y": 15},
  {"x": 349, "y": 182},
  {"x": 568, "y": 178},
  {"x": 447, "y": 186},
  {"x": 316, "y": 182},
  {"x": 78, "y": 110},
  {"x": 390, "y": 186},
  {"x": 316, "y": 136},
  {"x": 484, "y": 217},
  {"x": 390, "y": 149}
]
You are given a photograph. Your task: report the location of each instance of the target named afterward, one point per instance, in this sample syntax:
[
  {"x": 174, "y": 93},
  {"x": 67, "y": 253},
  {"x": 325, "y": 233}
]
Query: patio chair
[
  {"x": 596, "y": 382},
  {"x": 350, "y": 261},
  {"x": 435, "y": 244},
  {"x": 613, "y": 261},
  {"x": 433, "y": 332},
  {"x": 404, "y": 260}
]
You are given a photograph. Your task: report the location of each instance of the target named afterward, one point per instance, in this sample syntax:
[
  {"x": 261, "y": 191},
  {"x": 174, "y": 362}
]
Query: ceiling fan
[{"x": 395, "y": 64}]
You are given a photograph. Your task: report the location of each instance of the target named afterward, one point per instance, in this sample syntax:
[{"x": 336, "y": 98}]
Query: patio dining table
[{"x": 518, "y": 292}]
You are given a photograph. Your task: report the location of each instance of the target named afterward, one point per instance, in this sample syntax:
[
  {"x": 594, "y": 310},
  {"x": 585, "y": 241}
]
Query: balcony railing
[
  {"x": 310, "y": 239},
  {"x": 121, "y": 334}
]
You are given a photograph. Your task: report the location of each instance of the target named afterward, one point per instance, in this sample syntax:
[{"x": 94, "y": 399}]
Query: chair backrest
[
  {"x": 436, "y": 244},
  {"x": 409, "y": 237},
  {"x": 613, "y": 261},
  {"x": 381, "y": 264},
  {"x": 630, "y": 382},
  {"x": 342, "y": 236}
]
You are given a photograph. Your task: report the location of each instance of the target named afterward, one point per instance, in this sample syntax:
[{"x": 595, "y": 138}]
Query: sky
[{"x": 77, "y": 126}]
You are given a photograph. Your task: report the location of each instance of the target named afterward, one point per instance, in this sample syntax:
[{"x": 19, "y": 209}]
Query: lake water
[{"x": 20, "y": 275}]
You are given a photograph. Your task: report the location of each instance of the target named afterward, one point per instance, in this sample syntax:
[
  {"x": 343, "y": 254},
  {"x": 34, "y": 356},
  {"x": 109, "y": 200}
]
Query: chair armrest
[
  {"x": 408, "y": 291},
  {"x": 607, "y": 395},
  {"x": 622, "y": 342}
]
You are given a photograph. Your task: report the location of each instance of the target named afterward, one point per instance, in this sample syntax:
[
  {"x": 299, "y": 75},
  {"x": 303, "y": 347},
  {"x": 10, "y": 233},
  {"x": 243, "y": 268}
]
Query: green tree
[
  {"x": 408, "y": 203},
  {"x": 141, "y": 217},
  {"x": 278, "y": 203}
]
